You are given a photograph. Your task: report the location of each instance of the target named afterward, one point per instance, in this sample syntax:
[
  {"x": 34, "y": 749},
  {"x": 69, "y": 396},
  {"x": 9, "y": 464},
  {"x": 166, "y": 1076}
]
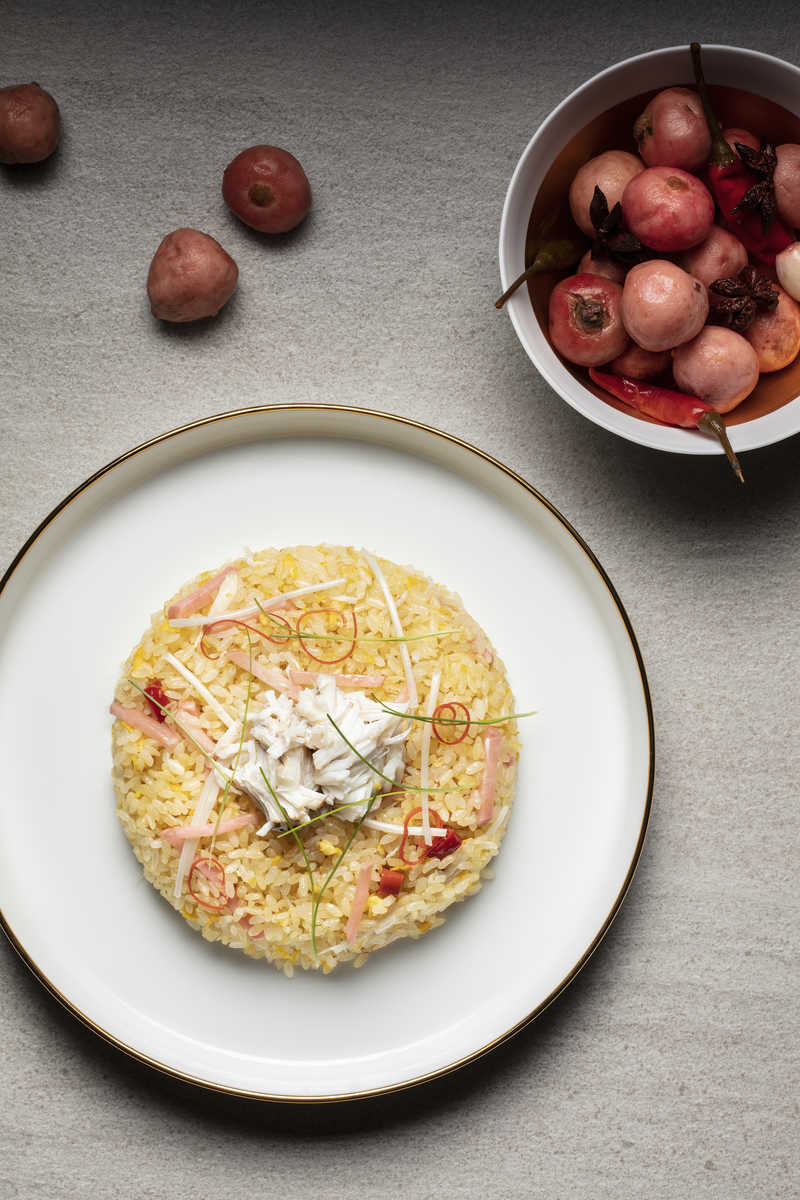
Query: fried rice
[{"x": 259, "y": 898}]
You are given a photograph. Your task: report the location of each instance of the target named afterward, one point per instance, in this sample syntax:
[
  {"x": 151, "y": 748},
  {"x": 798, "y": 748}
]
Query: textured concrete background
[{"x": 670, "y": 1067}]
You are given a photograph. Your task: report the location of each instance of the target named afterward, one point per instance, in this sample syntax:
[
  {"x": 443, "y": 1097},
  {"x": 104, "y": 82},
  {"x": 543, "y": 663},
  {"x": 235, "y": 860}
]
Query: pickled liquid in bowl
[{"x": 613, "y": 130}]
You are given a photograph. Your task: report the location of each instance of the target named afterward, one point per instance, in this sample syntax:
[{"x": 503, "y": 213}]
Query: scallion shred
[
  {"x": 297, "y": 838},
  {"x": 333, "y": 871},
  {"x": 453, "y": 720},
  {"x": 227, "y": 787}
]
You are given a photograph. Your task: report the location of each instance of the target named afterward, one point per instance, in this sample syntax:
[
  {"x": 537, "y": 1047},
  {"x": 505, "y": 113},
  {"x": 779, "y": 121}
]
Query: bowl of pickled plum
[{"x": 650, "y": 249}]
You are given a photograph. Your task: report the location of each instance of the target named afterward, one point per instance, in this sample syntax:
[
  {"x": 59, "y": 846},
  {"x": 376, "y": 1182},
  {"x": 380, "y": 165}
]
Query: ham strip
[
  {"x": 188, "y": 718},
  {"x": 182, "y": 833},
  {"x": 199, "y": 598},
  {"x": 492, "y": 741},
  {"x": 272, "y": 676},
  {"x": 359, "y": 902},
  {"x": 272, "y": 604},
  {"x": 149, "y": 726},
  {"x": 308, "y": 679},
  {"x": 246, "y": 923}
]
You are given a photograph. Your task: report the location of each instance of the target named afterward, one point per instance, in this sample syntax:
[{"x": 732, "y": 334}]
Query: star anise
[
  {"x": 743, "y": 296},
  {"x": 760, "y": 197},
  {"x": 612, "y": 239}
]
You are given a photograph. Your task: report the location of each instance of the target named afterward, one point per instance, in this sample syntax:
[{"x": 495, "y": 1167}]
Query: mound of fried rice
[{"x": 269, "y": 914}]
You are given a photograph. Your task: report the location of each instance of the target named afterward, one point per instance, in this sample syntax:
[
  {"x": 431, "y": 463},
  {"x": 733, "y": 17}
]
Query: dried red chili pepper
[
  {"x": 391, "y": 882},
  {"x": 730, "y": 179},
  {"x": 671, "y": 407},
  {"x": 310, "y": 636},
  {"x": 438, "y": 714},
  {"x": 443, "y": 846},
  {"x": 157, "y": 699},
  {"x": 433, "y": 817}
]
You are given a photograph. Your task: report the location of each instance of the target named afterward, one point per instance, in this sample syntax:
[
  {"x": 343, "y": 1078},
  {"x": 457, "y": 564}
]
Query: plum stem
[{"x": 261, "y": 194}]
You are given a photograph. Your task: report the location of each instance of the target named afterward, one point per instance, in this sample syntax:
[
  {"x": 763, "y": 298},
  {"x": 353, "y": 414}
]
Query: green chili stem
[
  {"x": 713, "y": 423},
  {"x": 552, "y": 256},
  {"x": 721, "y": 153}
]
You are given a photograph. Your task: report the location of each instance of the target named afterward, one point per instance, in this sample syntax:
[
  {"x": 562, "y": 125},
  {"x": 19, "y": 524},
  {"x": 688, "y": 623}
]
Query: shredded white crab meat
[{"x": 308, "y": 764}]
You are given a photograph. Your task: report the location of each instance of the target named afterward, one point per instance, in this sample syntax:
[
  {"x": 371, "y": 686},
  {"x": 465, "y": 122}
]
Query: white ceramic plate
[{"x": 74, "y": 901}]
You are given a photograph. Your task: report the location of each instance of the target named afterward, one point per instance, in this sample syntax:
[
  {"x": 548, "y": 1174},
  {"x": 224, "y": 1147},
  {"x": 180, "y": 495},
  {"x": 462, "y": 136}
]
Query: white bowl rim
[{"x": 750, "y": 435}]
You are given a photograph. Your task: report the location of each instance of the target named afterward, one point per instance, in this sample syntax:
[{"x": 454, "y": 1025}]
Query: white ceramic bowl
[{"x": 728, "y": 66}]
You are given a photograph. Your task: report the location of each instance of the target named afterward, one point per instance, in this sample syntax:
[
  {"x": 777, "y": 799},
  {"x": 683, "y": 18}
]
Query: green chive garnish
[{"x": 453, "y": 720}]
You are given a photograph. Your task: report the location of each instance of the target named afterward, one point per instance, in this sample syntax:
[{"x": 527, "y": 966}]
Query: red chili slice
[
  {"x": 217, "y": 865},
  {"x": 227, "y": 622},
  {"x": 320, "y": 612},
  {"x": 157, "y": 696},
  {"x": 432, "y": 815},
  {"x": 441, "y": 711}
]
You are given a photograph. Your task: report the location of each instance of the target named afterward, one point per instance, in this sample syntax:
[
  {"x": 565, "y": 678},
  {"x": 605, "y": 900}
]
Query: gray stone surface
[{"x": 669, "y": 1068}]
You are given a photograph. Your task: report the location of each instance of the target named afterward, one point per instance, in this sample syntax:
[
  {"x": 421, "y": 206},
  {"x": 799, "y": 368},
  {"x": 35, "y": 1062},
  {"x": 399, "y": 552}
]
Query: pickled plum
[
  {"x": 787, "y": 268},
  {"x": 611, "y": 172},
  {"x": 734, "y": 135},
  {"x": 718, "y": 366},
  {"x": 673, "y": 132},
  {"x": 637, "y": 363},
  {"x": 718, "y": 257},
  {"x": 589, "y": 265},
  {"x": 267, "y": 189},
  {"x": 30, "y": 124},
  {"x": 584, "y": 319},
  {"x": 190, "y": 277},
  {"x": 787, "y": 183},
  {"x": 662, "y": 305},
  {"x": 775, "y": 335},
  {"x": 668, "y": 209}
]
